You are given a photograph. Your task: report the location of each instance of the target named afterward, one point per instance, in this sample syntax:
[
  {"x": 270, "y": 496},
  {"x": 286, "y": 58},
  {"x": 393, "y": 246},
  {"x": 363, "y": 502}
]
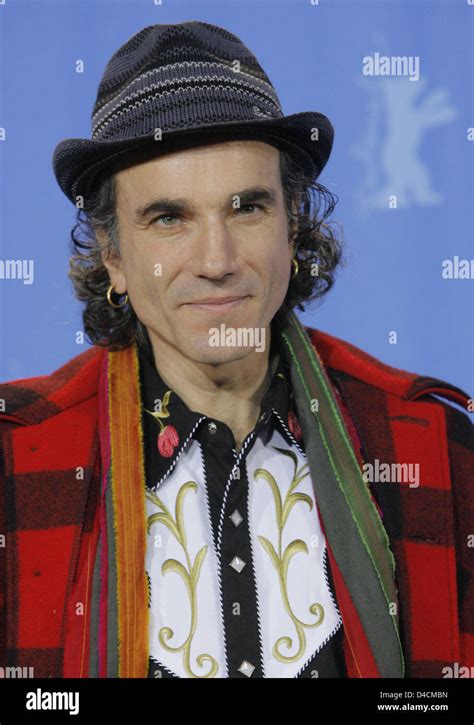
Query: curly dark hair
[{"x": 308, "y": 206}]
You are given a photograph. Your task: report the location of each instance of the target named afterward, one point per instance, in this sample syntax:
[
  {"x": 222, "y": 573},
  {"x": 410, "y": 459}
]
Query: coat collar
[{"x": 31, "y": 400}]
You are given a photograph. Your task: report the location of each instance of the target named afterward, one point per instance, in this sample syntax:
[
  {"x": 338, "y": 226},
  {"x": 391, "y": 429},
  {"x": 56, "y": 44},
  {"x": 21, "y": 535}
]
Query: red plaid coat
[{"x": 49, "y": 430}]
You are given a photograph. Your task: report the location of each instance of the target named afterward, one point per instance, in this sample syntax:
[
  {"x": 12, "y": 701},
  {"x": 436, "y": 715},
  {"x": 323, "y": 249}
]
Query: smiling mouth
[{"x": 218, "y": 305}]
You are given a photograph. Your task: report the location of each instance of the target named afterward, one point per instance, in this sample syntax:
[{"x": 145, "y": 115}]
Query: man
[{"x": 213, "y": 490}]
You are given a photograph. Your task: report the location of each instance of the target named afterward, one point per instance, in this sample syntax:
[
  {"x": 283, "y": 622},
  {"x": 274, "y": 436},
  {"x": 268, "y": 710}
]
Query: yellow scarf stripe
[{"x": 128, "y": 487}]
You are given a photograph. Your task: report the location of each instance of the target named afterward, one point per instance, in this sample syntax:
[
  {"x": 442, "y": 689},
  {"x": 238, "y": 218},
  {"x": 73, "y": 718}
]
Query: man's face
[{"x": 218, "y": 229}]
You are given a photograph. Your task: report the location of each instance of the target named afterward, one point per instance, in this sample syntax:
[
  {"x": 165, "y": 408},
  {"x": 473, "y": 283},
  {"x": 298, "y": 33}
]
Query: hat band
[{"x": 164, "y": 96}]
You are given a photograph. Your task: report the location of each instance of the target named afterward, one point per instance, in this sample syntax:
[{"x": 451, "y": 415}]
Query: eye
[
  {"x": 252, "y": 205},
  {"x": 244, "y": 206},
  {"x": 165, "y": 216}
]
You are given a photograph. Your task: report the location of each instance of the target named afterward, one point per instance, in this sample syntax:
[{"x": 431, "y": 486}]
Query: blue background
[{"x": 313, "y": 55}]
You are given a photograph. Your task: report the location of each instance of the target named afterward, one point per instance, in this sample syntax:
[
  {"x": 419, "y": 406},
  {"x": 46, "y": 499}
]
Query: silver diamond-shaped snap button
[
  {"x": 237, "y": 564},
  {"x": 236, "y": 518},
  {"x": 246, "y": 668}
]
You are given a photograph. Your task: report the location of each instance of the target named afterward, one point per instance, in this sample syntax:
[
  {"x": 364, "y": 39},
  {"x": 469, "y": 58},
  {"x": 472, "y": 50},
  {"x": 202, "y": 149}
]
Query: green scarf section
[{"x": 352, "y": 523}]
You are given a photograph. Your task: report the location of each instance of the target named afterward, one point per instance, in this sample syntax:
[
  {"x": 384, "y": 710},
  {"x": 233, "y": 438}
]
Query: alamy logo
[
  {"x": 379, "y": 472},
  {"x": 39, "y": 700},
  {"x": 17, "y": 269},
  {"x": 457, "y": 268},
  {"x": 457, "y": 670},
  {"x": 237, "y": 337},
  {"x": 394, "y": 65},
  {"x": 15, "y": 673}
]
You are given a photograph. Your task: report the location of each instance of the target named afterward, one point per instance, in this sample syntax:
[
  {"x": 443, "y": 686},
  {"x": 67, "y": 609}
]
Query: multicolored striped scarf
[{"x": 362, "y": 563}]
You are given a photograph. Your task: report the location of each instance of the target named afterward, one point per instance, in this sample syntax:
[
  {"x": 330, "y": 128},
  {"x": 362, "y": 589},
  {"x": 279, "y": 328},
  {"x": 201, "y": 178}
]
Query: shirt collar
[{"x": 168, "y": 423}]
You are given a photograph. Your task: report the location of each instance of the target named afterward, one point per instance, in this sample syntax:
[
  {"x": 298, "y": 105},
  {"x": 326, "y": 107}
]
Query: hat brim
[{"x": 77, "y": 162}]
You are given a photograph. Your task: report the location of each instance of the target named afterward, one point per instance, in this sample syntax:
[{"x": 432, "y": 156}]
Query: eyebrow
[{"x": 253, "y": 194}]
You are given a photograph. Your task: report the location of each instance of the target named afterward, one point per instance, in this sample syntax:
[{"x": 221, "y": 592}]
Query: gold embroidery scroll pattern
[
  {"x": 281, "y": 560},
  {"x": 189, "y": 575}
]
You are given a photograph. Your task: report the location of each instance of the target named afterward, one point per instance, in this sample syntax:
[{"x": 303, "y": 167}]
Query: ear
[
  {"x": 292, "y": 234},
  {"x": 113, "y": 263}
]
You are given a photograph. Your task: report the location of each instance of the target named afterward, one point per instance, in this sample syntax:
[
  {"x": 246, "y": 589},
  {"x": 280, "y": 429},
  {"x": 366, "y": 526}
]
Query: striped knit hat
[{"x": 185, "y": 80}]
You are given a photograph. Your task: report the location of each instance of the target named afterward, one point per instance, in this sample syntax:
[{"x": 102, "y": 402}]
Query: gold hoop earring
[
  {"x": 109, "y": 298},
  {"x": 296, "y": 267}
]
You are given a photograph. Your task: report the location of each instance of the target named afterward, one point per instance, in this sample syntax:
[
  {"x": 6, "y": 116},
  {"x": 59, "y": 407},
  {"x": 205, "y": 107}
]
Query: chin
[{"x": 199, "y": 350}]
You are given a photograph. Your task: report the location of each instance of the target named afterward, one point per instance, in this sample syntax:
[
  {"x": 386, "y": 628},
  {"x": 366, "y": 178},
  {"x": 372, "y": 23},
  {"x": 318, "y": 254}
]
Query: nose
[{"x": 215, "y": 251}]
